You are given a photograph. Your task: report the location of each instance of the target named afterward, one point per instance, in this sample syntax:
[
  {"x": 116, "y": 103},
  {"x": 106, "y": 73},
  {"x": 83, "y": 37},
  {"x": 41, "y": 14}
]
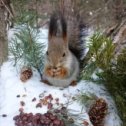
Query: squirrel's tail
[
  {"x": 77, "y": 32},
  {"x": 77, "y": 37}
]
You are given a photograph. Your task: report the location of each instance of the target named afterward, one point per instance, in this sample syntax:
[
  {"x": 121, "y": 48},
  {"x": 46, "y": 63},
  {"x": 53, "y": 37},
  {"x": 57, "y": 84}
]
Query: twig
[
  {"x": 39, "y": 71},
  {"x": 7, "y": 8}
]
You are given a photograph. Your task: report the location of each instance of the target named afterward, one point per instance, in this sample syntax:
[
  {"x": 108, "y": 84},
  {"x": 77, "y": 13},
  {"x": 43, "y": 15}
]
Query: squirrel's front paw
[
  {"x": 48, "y": 72},
  {"x": 57, "y": 73},
  {"x": 61, "y": 73}
]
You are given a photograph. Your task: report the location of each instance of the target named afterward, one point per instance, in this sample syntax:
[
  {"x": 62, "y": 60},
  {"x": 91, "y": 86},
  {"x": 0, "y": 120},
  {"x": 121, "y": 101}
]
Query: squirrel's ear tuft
[
  {"x": 64, "y": 29},
  {"x": 57, "y": 27},
  {"x": 53, "y": 26}
]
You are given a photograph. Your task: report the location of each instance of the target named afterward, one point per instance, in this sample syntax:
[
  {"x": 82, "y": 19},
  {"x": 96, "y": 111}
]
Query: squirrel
[{"x": 64, "y": 52}]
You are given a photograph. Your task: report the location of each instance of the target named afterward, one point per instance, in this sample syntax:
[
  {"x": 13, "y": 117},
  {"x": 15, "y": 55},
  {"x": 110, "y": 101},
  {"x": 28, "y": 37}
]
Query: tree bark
[{"x": 3, "y": 37}]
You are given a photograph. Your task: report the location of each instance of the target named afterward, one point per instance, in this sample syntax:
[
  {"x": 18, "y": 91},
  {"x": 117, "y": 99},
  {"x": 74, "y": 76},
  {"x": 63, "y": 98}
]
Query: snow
[
  {"x": 11, "y": 86},
  {"x": 90, "y": 13}
]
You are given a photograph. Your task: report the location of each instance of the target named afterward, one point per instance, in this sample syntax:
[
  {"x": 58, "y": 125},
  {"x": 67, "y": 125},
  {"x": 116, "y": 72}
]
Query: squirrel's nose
[{"x": 54, "y": 67}]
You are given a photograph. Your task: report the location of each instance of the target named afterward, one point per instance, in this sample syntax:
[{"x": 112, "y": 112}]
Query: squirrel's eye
[
  {"x": 64, "y": 55},
  {"x": 47, "y": 53}
]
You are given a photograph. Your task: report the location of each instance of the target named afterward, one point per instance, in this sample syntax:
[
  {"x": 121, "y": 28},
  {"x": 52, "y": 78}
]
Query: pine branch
[
  {"x": 86, "y": 99},
  {"x": 25, "y": 47},
  {"x": 113, "y": 69}
]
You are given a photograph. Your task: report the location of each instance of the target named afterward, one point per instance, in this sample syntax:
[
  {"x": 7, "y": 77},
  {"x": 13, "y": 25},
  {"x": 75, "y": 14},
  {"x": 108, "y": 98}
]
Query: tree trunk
[{"x": 3, "y": 37}]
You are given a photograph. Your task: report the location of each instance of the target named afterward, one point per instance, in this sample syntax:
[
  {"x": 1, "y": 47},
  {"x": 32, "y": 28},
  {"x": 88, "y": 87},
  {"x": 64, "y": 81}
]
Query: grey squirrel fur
[{"x": 65, "y": 49}]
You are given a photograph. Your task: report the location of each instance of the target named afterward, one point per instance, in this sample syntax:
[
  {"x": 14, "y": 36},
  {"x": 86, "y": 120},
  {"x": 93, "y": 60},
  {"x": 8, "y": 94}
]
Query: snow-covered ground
[{"x": 11, "y": 86}]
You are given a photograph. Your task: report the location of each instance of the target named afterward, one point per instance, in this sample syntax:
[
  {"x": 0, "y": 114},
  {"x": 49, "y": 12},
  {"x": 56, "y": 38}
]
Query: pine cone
[
  {"x": 26, "y": 73},
  {"x": 98, "y": 112}
]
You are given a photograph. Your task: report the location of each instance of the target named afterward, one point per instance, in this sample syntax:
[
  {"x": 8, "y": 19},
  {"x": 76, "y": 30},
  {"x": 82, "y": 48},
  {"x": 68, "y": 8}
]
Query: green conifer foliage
[
  {"x": 109, "y": 68},
  {"x": 26, "y": 49}
]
